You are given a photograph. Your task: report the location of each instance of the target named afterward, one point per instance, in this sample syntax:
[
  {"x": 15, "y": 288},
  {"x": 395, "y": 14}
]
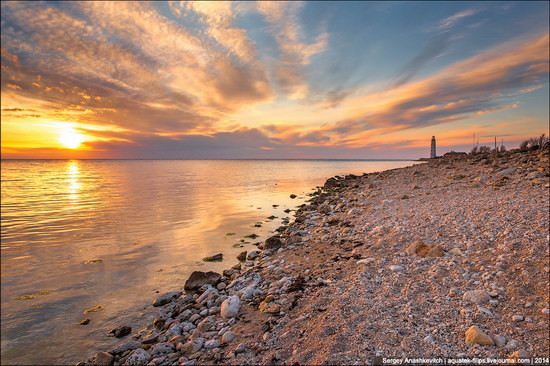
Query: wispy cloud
[{"x": 451, "y": 21}]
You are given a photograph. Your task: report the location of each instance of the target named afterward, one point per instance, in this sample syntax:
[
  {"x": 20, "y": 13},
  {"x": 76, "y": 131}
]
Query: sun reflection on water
[{"x": 73, "y": 182}]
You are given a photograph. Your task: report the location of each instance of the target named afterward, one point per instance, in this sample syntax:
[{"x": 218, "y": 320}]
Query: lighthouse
[{"x": 433, "y": 154}]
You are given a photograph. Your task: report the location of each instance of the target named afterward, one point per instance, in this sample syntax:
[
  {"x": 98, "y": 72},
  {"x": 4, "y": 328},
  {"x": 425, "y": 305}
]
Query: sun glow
[{"x": 70, "y": 138}]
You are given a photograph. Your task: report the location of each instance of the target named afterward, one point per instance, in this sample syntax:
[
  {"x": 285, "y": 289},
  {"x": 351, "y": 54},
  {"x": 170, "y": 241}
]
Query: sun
[{"x": 70, "y": 138}]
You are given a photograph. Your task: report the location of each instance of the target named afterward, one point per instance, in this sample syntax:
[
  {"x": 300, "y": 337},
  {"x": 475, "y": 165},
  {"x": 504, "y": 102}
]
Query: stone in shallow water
[
  {"x": 199, "y": 278},
  {"x": 166, "y": 298},
  {"x": 241, "y": 257},
  {"x": 272, "y": 243},
  {"x": 215, "y": 258},
  {"x": 120, "y": 331}
]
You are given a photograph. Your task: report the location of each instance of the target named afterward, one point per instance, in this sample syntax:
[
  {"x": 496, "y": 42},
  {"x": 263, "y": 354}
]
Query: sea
[{"x": 112, "y": 235}]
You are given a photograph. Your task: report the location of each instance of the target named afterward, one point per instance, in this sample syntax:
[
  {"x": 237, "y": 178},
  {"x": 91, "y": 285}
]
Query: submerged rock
[
  {"x": 120, "y": 331},
  {"x": 273, "y": 243},
  {"x": 242, "y": 256},
  {"x": 215, "y": 258},
  {"x": 166, "y": 298},
  {"x": 199, "y": 278}
]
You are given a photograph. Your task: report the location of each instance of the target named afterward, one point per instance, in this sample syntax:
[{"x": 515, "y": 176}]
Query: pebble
[
  {"x": 477, "y": 336},
  {"x": 166, "y": 298},
  {"x": 517, "y": 318},
  {"x": 211, "y": 344},
  {"x": 477, "y": 297},
  {"x": 429, "y": 339},
  {"x": 228, "y": 337},
  {"x": 500, "y": 341},
  {"x": 511, "y": 345},
  {"x": 240, "y": 348},
  {"x": 396, "y": 268}
]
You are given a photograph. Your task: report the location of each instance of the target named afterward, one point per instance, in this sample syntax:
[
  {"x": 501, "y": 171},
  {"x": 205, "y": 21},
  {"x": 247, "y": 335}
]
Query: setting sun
[{"x": 71, "y": 139}]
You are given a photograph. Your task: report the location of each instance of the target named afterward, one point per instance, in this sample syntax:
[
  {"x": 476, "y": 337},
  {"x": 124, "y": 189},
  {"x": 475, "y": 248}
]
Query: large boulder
[
  {"x": 230, "y": 307},
  {"x": 199, "y": 278},
  {"x": 273, "y": 243}
]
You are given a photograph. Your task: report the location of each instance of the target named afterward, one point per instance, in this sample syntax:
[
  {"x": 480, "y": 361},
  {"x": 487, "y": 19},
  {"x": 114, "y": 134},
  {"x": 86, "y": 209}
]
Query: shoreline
[{"x": 370, "y": 268}]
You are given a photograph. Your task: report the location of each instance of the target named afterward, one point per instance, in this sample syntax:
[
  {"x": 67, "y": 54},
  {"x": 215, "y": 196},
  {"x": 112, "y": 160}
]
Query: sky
[{"x": 270, "y": 80}]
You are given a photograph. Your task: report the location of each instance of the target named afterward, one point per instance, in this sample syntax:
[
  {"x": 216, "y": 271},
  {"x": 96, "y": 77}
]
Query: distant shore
[{"x": 448, "y": 258}]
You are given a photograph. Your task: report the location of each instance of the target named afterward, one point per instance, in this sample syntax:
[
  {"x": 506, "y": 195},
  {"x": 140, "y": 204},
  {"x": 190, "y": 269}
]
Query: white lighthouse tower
[{"x": 433, "y": 154}]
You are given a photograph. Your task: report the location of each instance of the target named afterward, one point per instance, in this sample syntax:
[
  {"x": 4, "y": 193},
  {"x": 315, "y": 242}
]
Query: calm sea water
[{"x": 76, "y": 234}]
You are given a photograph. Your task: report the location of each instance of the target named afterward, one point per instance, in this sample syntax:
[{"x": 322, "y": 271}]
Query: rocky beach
[{"x": 447, "y": 258}]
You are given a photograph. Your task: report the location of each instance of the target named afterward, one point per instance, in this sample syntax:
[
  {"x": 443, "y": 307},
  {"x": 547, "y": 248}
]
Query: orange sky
[{"x": 253, "y": 80}]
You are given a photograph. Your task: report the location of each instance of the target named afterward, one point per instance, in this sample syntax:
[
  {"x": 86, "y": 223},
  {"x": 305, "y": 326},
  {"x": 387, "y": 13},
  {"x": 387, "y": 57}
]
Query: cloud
[
  {"x": 452, "y": 20},
  {"x": 476, "y": 85},
  {"x": 295, "y": 53},
  {"x": 435, "y": 47}
]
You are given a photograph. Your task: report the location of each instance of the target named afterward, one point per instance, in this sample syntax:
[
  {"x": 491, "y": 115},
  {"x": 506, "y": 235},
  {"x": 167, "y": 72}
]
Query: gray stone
[
  {"x": 240, "y": 348},
  {"x": 138, "y": 357},
  {"x": 476, "y": 297},
  {"x": 128, "y": 346},
  {"x": 511, "y": 345},
  {"x": 166, "y": 298},
  {"x": 252, "y": 255},
  {"x": 506, "y": 172},
  {"x": 161, "y": 349},
  {"x": 151, "y": 338},
  {"x": 230, "y": 307},
  {"x": 211, "y": 344},
  {"x": 429, "y": 339},
  {"x": 228, "y": 337},
  {"x": 500, "y": 341}
]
